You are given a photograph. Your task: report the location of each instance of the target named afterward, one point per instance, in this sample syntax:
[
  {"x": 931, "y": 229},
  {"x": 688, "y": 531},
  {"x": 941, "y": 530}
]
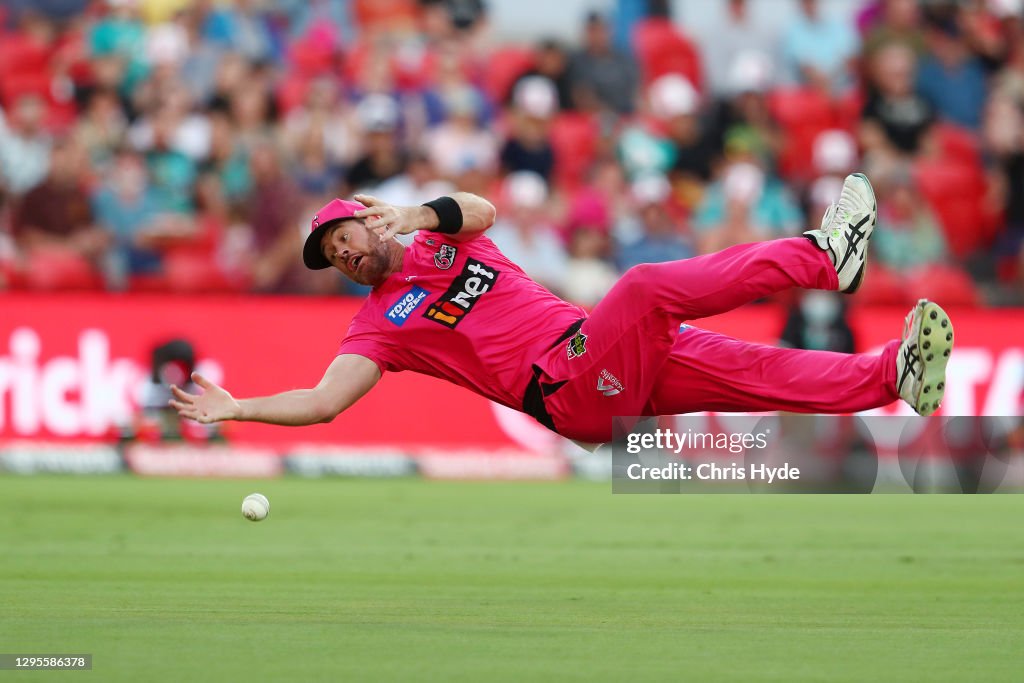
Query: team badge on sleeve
[
  {"x": 445, "y": 257},
  {"x": 577, "y": 345}
]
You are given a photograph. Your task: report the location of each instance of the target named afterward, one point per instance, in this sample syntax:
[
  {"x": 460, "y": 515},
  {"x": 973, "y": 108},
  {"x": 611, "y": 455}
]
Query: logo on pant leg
[
  {"x": 608, "y": 384},
  {"x": 576, "y": 346}
]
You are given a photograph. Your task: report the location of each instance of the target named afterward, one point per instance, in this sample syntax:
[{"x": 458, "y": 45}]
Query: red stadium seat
[
  {"x": 193, "y": 273},
  {"x": 803, "y": 114},
  {"x": 958, "y": 145},
  {"x": 661, "y": 49},
  {"x": 58, "y": 270},
  {"x": 574, "y": 138},
  {"x": 20, "y": 54},
  {"x": 956, "y": 194},
  {"x": 291, "y": 93},
  {"x": 504, "y": 67},
  {"x": 945, "y": 283}
]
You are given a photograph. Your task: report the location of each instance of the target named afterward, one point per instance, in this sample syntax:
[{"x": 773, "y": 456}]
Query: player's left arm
[{"x": 470, "y": 216}]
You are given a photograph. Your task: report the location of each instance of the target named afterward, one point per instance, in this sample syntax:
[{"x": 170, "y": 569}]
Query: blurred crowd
[{"x": 183, "y": 145}]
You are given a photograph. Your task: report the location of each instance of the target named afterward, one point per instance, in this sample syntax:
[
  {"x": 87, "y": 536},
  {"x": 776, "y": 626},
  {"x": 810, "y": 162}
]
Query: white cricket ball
[{"x": 255, "y": 507}]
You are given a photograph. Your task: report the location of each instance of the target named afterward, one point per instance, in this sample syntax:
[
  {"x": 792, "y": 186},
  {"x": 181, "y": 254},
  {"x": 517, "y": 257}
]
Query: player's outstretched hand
[
  {"x": 387, "y": 220},
  {"x": 213, "y": 405}
]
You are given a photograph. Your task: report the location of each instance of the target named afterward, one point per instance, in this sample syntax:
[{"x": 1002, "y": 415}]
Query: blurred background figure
[
  {"x": 732, "y": 102},
  {"x": 950, "y": 77},
  {"x": 599, "y": 73},
  {"x": 817, "y": 321},
  {"x": 648, "y": 234},
  {"x": 734, "y": 31},
  {"x": 911, "y": 257},
  {"x": 528, "y": 146},
  {"x": 524, "y": 232},
  {"x": 745, "y": 205},
  {"x": 24, "y": 145},
  {"x": 384, "y": 155},
  {"x": 55, "y": 229},
  {"x": 818, "y": 49},
  {"x": 171, "y": 363},
  {"x": 589, "y": 273},
  {"x": 896, "y": 120}
]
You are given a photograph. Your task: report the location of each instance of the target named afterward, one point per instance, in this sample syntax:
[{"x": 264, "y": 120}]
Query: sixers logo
[
  {"x": 466, "y": 289},
  {"x": 445, "y": 257}
]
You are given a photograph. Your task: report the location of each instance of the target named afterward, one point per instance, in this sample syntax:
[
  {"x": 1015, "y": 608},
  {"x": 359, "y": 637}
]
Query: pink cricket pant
[{"x": 638, "y": 362}]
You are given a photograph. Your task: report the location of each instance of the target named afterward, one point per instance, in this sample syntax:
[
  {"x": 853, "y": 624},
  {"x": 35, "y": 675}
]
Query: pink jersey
[{"x": 463, "y": 312}]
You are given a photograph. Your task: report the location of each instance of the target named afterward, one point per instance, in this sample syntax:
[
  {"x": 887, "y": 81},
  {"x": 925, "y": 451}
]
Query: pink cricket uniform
[{"x": 463, "y": 312}]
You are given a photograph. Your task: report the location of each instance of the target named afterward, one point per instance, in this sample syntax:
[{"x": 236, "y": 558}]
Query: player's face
[{"x": 356, "y": 252}]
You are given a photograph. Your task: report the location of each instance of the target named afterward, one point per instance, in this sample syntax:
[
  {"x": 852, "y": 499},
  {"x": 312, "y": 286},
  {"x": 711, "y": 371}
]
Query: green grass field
[{"x": 413, "y": 580}]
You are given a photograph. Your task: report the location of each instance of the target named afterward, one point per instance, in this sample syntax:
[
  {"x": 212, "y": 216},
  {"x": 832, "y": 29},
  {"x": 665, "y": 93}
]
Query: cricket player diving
[{"x": 452, "y": 306}]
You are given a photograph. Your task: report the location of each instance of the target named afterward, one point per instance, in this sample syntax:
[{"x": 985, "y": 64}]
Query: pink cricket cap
[{"x": 336, "y": 211}]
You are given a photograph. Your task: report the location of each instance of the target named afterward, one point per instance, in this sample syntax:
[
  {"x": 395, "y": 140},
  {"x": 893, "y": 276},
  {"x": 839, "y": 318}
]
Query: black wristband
[{"x": 449, "y": 215}]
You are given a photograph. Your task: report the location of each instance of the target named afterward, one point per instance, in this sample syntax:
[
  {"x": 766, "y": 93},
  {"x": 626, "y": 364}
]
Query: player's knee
[{"x": 640, "y": 279}]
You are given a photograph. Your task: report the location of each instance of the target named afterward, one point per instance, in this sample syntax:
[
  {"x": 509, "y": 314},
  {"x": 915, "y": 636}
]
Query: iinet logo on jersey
[{"x": 455, "y": 304}]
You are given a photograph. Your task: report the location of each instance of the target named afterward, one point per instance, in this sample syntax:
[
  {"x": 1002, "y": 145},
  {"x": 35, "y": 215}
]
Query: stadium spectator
[
  {"x": 323, "y": 117},
  {"x": 745, "y": 205},
  {"x": 524, "y": 233},
  {"x": 746, "y": 110},
  {"x": 650, "y": 234},
  {"x": 528, "y": 146},
  {"x": 895, "y": 119},
  {"x": 950, "y": 77},
  {"x": 242, "y": 27},
  {"x": 910, "y": 250},
  {"x": 24, "y": 145},
  {"x": 102, "y": 126},
  {"x": 733, "y": 32},
  {"x": 899, "y": 22},
  {"x": 552, "y": 62},
  {"x": 54, "y": 226},
  {"x": 601, "y": 72},
  {"x": 408, "y": 97},
  {"x": 120, "y": 37},
  {"x": 384, "y": 155},
  {"x": 818, "y": 321},
  {"x": 460, "y": 149},
  {"x": 228, "y": 159},
  {"x": 589, "y": 273},
  {"x": 663, "y": 48},
  {"x": 126, "y": 206},
  {"x": 676, "y": 105},
  {"x": 1004, "y": 142},
  {"x": 314, "y": 172},
  {"x": 907, "y": 235},
  {"x": 275, "y": 211},
  {"x": 198, "y": 67},
  {"x": 171, "y": 172},
  {"x": 818, "y": 49}
]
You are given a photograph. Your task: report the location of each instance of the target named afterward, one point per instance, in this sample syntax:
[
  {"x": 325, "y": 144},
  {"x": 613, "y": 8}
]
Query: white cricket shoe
[
  {"x": 845, "y": 230},
  {"x": 921, "y": 360}
]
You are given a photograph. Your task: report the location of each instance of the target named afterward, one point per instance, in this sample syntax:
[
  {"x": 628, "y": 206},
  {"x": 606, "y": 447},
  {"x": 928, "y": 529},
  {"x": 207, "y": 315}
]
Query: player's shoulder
[{"x": 445, "y": 246}]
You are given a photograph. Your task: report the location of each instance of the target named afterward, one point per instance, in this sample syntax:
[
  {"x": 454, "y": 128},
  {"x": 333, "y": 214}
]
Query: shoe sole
[
  {"x": 855, "y": 285},
  {"x": 935, "y": 345}
]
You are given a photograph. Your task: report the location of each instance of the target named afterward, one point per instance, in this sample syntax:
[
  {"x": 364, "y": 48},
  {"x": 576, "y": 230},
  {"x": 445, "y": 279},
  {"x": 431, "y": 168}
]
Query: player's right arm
[{"x": 347, "y": 379}]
